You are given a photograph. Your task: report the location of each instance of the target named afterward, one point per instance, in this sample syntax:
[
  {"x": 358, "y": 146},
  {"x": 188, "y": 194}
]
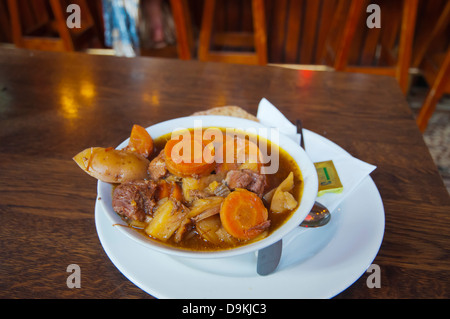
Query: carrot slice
[
  {"x": 163, "y": 189},
  {"x": 243, "y": 214},
  {"x": 140, "y": 141},
  {"x": 186, "y": 156},
  {"x": 168, "y": 189},
  {"x": 176, "y": 193}
]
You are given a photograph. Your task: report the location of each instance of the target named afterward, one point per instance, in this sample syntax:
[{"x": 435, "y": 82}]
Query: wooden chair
[
  {"x": 342, "y": 43},
  {"x": 432, "y": 31},
  {"x": 439, "y": 86},
  {"x": 41, "y": 25},
  {"x": 435, "y": 65},
  {"x": 246, "y": 47},
  {"x": 258, "y": 39}
]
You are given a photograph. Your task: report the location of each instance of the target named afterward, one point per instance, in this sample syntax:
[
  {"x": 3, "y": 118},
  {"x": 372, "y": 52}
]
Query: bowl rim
[{"x": 307, "y": 168}]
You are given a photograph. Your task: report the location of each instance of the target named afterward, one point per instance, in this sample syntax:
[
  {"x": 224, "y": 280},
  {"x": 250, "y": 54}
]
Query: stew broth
[{"x": 192, "y": 239}]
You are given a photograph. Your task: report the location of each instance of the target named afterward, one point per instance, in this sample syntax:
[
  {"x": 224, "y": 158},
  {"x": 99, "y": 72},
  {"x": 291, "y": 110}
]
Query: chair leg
[
  {"x": 182, "y": 20},
  {"x": 406, "y": 42},
  {"x": 63, "y": 31},
  {"x": 206, "y": 30},
  {"x": 259, "y": 25},
  {"x": 435, "y": 93},
  {"x": 343, "y": 51},
  {"x": 16, "y": 27},
  {"x": 439, "y": 28}
]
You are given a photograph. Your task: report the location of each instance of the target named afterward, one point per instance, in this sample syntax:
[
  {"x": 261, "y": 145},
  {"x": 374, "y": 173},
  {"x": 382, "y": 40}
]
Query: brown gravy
[{"x": 193, "y": 241}]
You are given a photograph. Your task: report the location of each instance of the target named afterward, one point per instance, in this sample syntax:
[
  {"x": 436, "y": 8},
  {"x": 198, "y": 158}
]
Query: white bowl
[{"x": 306, "y": 166}]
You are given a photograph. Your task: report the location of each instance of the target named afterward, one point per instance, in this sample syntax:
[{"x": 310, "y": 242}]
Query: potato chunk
[
  {"x": 211, "y": 229},
  {"x": 112, "y": 166},
  {"x": 189, "y": 184},
  {"x": 282, "y": 200},
  {"x": 166, "y": 219},
  {"x": 207, "y": 228}
]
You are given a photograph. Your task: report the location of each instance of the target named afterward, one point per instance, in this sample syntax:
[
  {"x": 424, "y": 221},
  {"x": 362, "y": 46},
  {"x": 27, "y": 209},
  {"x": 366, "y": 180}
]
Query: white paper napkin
[
  {"x": 351, "y": 170},
  {"x": 270, "y": 116}
]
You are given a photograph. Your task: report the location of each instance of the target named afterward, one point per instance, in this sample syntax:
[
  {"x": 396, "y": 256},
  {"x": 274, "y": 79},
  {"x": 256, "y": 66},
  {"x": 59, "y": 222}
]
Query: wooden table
[{"x": 53, "y": 105}]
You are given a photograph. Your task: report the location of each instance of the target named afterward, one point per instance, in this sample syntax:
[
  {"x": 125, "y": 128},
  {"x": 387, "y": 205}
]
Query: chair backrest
[{"x": 41, "y": 24}]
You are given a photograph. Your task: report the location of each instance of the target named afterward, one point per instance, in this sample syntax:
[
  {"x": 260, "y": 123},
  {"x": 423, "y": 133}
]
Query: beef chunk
[
  {"x": 134, "y": 199},
  {"x": 247, "y": 179},
  {"x": 238, "y": 179}
]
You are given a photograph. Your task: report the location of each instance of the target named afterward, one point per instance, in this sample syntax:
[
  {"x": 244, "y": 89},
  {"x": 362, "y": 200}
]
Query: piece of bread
[{"x": 235, "y": 111}]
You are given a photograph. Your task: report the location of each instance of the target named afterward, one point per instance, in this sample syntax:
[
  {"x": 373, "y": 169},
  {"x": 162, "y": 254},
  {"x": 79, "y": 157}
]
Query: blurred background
[{"x": 405, "y": 39}]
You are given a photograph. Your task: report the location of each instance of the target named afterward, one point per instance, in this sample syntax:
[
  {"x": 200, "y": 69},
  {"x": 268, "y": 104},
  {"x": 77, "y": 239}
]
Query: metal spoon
[
  {"x": 319, "y": 214},
  {"x": 317, "y": 217}
]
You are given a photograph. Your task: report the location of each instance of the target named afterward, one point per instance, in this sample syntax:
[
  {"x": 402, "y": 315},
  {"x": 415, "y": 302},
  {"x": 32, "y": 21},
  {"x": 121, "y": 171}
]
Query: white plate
[{"x": 320, "y": 263}]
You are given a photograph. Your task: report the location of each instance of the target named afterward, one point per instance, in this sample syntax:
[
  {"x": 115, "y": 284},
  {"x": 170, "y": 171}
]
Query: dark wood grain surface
[{"x": 53, "y": 105}]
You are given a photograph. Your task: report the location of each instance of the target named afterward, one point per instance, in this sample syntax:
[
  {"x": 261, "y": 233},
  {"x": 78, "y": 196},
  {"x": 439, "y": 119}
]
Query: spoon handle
[{"x": 300, "y": 131}]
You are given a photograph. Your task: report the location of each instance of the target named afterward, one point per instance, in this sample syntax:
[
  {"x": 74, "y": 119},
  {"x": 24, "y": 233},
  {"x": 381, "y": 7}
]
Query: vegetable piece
[
  {"x": 168, "y": 189},
  {"x": 208, "y": 227},
  {"x": 140, "y": 141},
  {"x": 224, "y": 168},
  {"x": 137, "y": 224},
  {"x": 290, "y": 202},
  {"x": 191, "y": 185},
  {"x": 243, "y": 214},
  {"x": 211, "y": 229},
  {"x": 187, "y": 155},
  {"x": 201, "y": 209},
  {"x": 188, "y": 184},
  {"x": 224, "y": 236},
  {"x": 181, "y": 231},
  {"x": 163, "y": 190},
  {"x": 167, "y": 218},
  {"x": 207, "y": 213},
  {"x": 211, "y": 187},
  {"x": 218, "y": 189},
  {"x": 111, "y": 165},
  {"x": 200, "y": 205},
  {"x": 176, "y": 192},
  {"x": 282, "y": 200},
  {"x": 269, "y": 195},
  {"x": 251, "y": 166},
  {"x": 237, "y": 152}
]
